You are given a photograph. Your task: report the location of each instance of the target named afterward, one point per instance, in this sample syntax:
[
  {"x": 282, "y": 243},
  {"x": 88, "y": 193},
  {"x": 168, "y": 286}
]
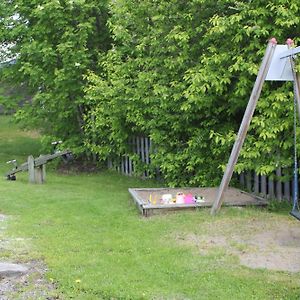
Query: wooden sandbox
[{"x": 232, "y": 197}]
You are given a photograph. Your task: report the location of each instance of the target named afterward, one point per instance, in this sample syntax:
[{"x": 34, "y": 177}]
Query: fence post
[
  {"x": 270, "y": 188},
  {"x": 249, "y": 181}
]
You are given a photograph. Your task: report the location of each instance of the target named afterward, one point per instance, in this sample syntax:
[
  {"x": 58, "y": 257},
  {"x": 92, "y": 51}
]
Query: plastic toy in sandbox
[{"x": 179, "y": 198}]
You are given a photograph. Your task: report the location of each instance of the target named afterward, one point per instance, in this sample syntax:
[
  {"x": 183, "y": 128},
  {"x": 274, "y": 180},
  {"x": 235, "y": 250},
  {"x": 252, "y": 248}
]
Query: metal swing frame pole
[
  {"x": 296, "y": 77},
  {"x": 296, "y": 84},
  {"x": 265, "y": 65},
  {"x": 296, "y": 189}
]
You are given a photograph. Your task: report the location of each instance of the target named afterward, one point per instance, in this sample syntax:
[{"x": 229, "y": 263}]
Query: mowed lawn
[{"x": 88, "y": 232}]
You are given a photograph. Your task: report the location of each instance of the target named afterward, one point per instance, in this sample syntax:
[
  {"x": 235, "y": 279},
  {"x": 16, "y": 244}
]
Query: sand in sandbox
[{"x": 232, "y": 196}]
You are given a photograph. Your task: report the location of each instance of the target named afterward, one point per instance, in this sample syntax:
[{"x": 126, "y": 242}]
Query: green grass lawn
[{"x": 97, "y": 246}]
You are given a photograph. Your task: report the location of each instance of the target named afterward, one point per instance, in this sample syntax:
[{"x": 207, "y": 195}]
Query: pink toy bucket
[{"x": 188, "y": 199}]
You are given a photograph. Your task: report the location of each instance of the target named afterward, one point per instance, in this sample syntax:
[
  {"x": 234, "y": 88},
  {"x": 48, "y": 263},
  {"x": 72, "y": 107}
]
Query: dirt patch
[
  {"x": 31, "y": 285},
  {"x": 28, "y": 284},
  {"x": 258, "y": 245},
  {"x": 275, "y": 250}
]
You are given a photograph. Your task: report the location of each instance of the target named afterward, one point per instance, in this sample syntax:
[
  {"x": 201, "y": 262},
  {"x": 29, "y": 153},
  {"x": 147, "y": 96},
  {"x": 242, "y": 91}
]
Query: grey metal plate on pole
[
  {"x": 280, "y": 68},
  {"x": 290, "y": 52}
]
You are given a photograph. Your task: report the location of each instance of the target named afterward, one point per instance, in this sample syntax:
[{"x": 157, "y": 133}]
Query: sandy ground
[
  {"x": 232, "y": 196},
  {"x": 275, "y": 250},
  {"x": 266, "y": 244}
]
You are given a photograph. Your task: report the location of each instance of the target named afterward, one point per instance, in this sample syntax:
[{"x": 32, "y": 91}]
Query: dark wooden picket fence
[
  {"x": 142, "y": 147},
  {"x": 266, "y": 186},
  {"x": 272, "y": 187}
]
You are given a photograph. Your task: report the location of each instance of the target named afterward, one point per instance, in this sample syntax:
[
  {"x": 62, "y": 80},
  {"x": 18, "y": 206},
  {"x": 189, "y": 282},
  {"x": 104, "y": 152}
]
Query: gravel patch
[{"x": 21, "y": 280}]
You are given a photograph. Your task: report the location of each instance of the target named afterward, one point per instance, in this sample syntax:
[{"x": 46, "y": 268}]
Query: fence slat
[
  {"x": 147, "y": 150},
  {"x": 263, "y": 185},
  {"x": 242, "y": 179},
  {"x": 249, "y": 181},
  {"x": 256, "y": 184},
  {"x": 142, "y": 149},
  {"x": 122, "y": 165},
  {"x": 287, "y": 191},
  {"x": 109, "y": 163},
  {"x": 270, "y": 188},
  {"x": 138, "y": 151},
  {"x": 278, "y": 184},
  {"x": 130, "y": 167},
  {"x": 126, "y": 165}
]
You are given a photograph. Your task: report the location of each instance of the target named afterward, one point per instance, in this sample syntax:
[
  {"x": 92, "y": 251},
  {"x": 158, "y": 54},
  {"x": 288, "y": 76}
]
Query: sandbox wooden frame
[{"x": 147, "y": 209}]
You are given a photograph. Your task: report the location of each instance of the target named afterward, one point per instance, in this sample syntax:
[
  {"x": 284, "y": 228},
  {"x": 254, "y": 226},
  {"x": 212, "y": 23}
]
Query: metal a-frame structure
[{"x": 277, "y": 64}]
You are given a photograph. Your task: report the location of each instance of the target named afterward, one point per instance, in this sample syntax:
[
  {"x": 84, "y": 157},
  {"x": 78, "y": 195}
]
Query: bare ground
[
  {"x": 272, "y": 244},
  {"x": 31, "y": 284}
]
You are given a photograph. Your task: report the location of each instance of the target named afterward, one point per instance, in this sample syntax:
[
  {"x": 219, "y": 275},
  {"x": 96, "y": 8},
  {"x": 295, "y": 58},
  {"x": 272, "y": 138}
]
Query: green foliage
[
  {"x": 179, "y": 72},
  {"x": 283, "y": 207},
  {"x": 182, "y": 74},
  {"x": 12, "y": 96},
  {"x": 56, "y": 43}
]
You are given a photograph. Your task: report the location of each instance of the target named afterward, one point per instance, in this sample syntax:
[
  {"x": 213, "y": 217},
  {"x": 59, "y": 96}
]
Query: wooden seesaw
[{"x": 36, "y": 167}]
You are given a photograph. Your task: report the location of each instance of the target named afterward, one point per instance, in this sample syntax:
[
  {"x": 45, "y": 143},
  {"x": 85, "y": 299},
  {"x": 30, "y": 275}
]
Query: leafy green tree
[
  {"x": 241, "y": 39},
  {"x": 56, "y": 43},
  {"x": 181, "y": 72}
]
